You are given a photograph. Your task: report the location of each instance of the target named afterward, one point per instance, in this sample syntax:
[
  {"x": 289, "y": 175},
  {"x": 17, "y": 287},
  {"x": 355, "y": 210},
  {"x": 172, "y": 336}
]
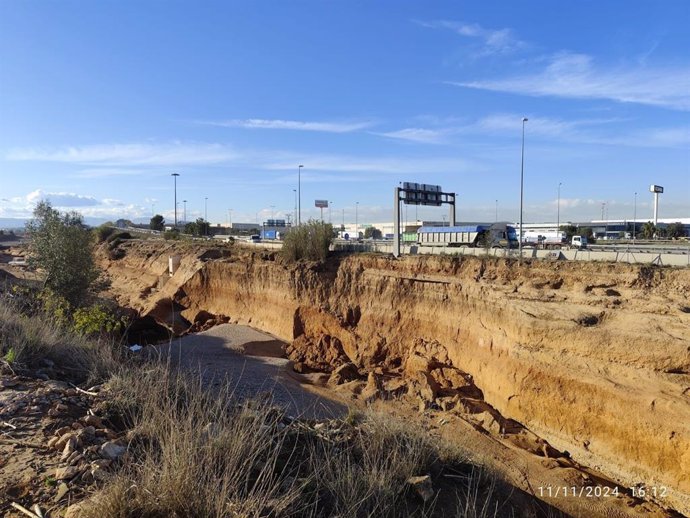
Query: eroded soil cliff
[{"x": 593, "y": 358}]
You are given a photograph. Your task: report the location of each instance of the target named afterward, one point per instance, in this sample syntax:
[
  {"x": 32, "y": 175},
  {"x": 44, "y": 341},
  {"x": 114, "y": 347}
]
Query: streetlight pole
[
  {"x": 522, "y": 183},
  {"x": 558, "y": 211},
  {"x": 299, "y": 194},
  {"x": 175, "y": 175},
  {"x": 272, "y": 207},
  {"x": 295, "y": 218},
  {"x": 185, "y": 211},
  {"x": 496, "y": 218},
  {"x": 634, "y": 216}
]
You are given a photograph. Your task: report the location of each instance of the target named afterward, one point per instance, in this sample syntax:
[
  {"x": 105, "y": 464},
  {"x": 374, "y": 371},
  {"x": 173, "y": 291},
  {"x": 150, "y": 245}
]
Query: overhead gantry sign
[{"x": 418, "y": 194}]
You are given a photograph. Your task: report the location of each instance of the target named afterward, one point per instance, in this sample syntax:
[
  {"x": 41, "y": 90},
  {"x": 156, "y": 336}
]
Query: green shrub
[
  {"x": 96, "y": 320},
  {"x": 309, "y": 241},
  {"x": 171, "y": 234},
  {"x": 103, "y": 232}
]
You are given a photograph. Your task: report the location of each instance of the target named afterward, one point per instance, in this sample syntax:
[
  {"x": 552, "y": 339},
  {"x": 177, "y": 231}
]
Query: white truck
[
  {"x": 579, "y": 242},
  {"x": 545, "y": 239}
]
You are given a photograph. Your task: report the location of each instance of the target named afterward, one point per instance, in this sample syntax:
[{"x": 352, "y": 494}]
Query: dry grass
[
  {"x": 27, "y": 342},
  {"x": 198, "y": 455}
]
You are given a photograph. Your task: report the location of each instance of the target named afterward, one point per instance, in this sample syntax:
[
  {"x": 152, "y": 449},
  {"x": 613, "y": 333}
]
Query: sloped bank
[{"x": 595, "y": 358}]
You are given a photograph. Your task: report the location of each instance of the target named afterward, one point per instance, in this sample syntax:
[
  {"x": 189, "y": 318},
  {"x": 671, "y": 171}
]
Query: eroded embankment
[{"x": 595, "y": 358}]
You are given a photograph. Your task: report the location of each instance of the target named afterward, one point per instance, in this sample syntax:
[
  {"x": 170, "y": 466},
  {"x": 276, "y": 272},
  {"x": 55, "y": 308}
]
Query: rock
[
  {"x": 87, "y": 433},
  {"x": 76, "y": 425},
  {"x": 75, "y": 458},
  {"x": 62, "y": 431},
  {"x": 87, "y": 477},
  {"x": 450, "y": 377},
  {"x": 488, "y": 422},
  {"x": 92, "y": 420},
  {"x": 416, "y": 363},
  {"x": 299, "y": 367},
  {"x": 422, "y": 487},
  {"x": 56, "y": 386},
  {"x": 62, "y": 490},
  {"x": 100, "y": 474},
  {"x": 101, "y": 463},
  {"x": 425, "y": 386},
  {"x": 395, "y": 387},
  {"x": 354, "y": 387},
  {"x": 112, "y": 450},
  {"x": 106, "y": 432},
  {"x": 53, "y": 441},
  {"x": 70, "y": 447},
  {"x": 343, "y": 374},
  {"x": 60, "y": 445},
  {"x": 8, "y": 383},
  {"x": 373, "y": 389},
  {"x": 66, "y": 473}
]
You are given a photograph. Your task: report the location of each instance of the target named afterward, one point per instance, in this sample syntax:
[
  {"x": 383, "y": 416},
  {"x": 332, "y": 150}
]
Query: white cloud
[
  {"x": 61, "y": 199},
  {"x": 494, "y": 41},
  {"x": 576, "y": 76},
  {"x": 327, "y": 127}
]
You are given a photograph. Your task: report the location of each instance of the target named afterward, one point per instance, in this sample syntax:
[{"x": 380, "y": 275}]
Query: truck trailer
[{"x": 498, "y": 235}]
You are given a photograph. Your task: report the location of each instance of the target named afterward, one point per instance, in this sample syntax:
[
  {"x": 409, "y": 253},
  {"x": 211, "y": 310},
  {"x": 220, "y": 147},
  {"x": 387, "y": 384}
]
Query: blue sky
[{"x": 101, "y": 101}]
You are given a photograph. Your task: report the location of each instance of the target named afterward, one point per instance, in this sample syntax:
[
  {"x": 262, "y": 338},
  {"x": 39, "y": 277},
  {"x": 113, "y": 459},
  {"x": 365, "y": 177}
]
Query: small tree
[
  {"x": 675, "y": 230},
  {"x": 62, "y": 246},
  {"x": 157, "y": 222},
  {"x": 309, "y": 241},
  {"x": 203, "y": 226},
  {"x": 197, "y": 228},
  {"x": 648, "y": 230},
  {"x": 373, "y": 232}
]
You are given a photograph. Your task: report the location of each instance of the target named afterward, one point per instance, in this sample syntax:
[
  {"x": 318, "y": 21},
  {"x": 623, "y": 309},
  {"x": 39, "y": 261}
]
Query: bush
[
  {"x": 61, "y": 246},
  {"x": 309, "y": 241},
  {"x": 171, "y": 234},
  {"x": 103, "y": 232},
  {"x": 25, "y": 341},
  {"x": 96, "y": 320}
]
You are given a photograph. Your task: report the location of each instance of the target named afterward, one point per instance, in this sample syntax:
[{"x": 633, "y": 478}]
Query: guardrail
[{"x": 620, "y": 256}]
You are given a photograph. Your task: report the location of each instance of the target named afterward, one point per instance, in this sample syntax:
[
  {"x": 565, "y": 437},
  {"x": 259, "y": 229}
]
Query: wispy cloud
[
  {"x": 422, "y": 135},
  {"x": 576, "y": 76},
  {"x": 322, "y": 126},
  {"x": 113, "y": 155},
  {"x": 494, "y": 41},
  {"x": 587, "y": 131},
  {"x": 105, "y": 172}
]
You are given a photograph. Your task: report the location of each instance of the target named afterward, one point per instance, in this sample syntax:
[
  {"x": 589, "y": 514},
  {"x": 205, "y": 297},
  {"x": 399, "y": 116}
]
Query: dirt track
[{"x": 254, "y": 364}]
